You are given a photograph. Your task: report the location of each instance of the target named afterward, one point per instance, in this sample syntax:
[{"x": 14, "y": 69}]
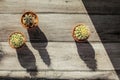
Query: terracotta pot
[
  {"x": 75, "y": 38},
  {"x": 35, "y": 21},
  {"x": 13, "y": 45}
]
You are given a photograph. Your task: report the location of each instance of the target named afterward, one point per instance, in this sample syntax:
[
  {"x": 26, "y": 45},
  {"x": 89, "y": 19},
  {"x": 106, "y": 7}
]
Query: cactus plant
[
  {"x": 81, "y": 32},
  {"x": 16, "y": 40},
  {"x": 29, "y": 19}
]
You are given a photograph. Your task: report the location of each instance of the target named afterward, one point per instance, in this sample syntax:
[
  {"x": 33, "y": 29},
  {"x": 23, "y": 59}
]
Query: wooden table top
[{"x": 60, "y": 57}]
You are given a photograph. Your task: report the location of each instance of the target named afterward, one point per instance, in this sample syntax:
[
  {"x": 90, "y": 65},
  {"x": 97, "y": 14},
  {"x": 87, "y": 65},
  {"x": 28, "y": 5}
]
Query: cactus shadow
[
  {"x": 87, "y": 54},
  {"x": 1, "y": 55},
  {"x": 39, "y": 42},
  {"x": 27, "y": 60}
]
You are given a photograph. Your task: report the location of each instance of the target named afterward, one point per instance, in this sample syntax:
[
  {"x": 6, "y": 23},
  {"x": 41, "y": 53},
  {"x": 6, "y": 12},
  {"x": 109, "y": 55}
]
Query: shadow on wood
[
  {"x": 1, "y": 55},
  {"x": 27, "y": 60},
  {"x": 109, "y": 33},
  {"x": 37, "y": 36},
  {"x": 87, "y": 54}
]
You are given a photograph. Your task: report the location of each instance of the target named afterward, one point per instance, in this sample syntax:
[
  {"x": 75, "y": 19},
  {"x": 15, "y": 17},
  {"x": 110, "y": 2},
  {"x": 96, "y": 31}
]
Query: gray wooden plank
[
  {"x": 102, "y": 7},
  {"x": 61, "y": 6},
  {"x": 107, "y": 27},
  {"x": 14, "y": 6},
  {"x": 58, "y": 27},
  {"x": 113, "y": 53},
  {"x": 102, "y": 75},
  {"x": 56, "y": 56}
]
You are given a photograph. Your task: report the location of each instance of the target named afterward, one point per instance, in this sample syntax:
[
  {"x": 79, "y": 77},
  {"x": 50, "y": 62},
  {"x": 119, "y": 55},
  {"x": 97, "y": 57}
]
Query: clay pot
[{"x": 34, "y": 19}]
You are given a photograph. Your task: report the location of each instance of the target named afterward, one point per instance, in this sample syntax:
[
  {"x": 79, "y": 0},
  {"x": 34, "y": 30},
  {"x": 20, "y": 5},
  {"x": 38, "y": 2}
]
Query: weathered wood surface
[
  {"x": 61, "y": 57},
  {"x": 56, "y": 75},
  {"x": 113, "y": 52},
  {"x": 62, "y": 6},
  {"x": 66, "y": 20},
  {"x": 60, "y": 28},
  {"x": 58, "y": 60}
]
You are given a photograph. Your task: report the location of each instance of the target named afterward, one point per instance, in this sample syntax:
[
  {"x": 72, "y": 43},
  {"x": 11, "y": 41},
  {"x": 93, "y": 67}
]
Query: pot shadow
[
  {"x": 87, "y": 54},
  {"x": 27, "y": 60},
  {"x": 37, "y": 36},
  {"x": 1, "y": 55}
]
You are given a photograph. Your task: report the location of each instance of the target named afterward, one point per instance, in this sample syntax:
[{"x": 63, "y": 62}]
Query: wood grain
[
  {"x": 61, "y": 6},
  {"x": 61, "y": 55},
  {"x": 58, "y": 27},
  {"x": 64, "y": 6},
  {"x": 102, "y": 75},
  {"x": 101, "y": 7},
  {"x": 51, "y": 51}
]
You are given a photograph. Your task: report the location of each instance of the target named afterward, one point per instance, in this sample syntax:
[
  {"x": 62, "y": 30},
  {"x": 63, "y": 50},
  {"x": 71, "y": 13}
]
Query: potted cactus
[
  {"x": 17, "y": 40},
  {"x": 80, "y": 32},
  {"x": 29, "y": 19}
]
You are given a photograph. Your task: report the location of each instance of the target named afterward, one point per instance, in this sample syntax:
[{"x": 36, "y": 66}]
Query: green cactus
[
  {"x": 81, "y": 32},
  {"x": 28, "y": 20},
  {"x": 17, "y": 40}
]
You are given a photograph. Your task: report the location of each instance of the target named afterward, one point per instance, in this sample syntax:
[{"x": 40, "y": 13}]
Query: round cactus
[
  {"x": 29, "y": 19},
  {"x": 16, "y": 40},
  {"x": 81, "y": 32}
]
